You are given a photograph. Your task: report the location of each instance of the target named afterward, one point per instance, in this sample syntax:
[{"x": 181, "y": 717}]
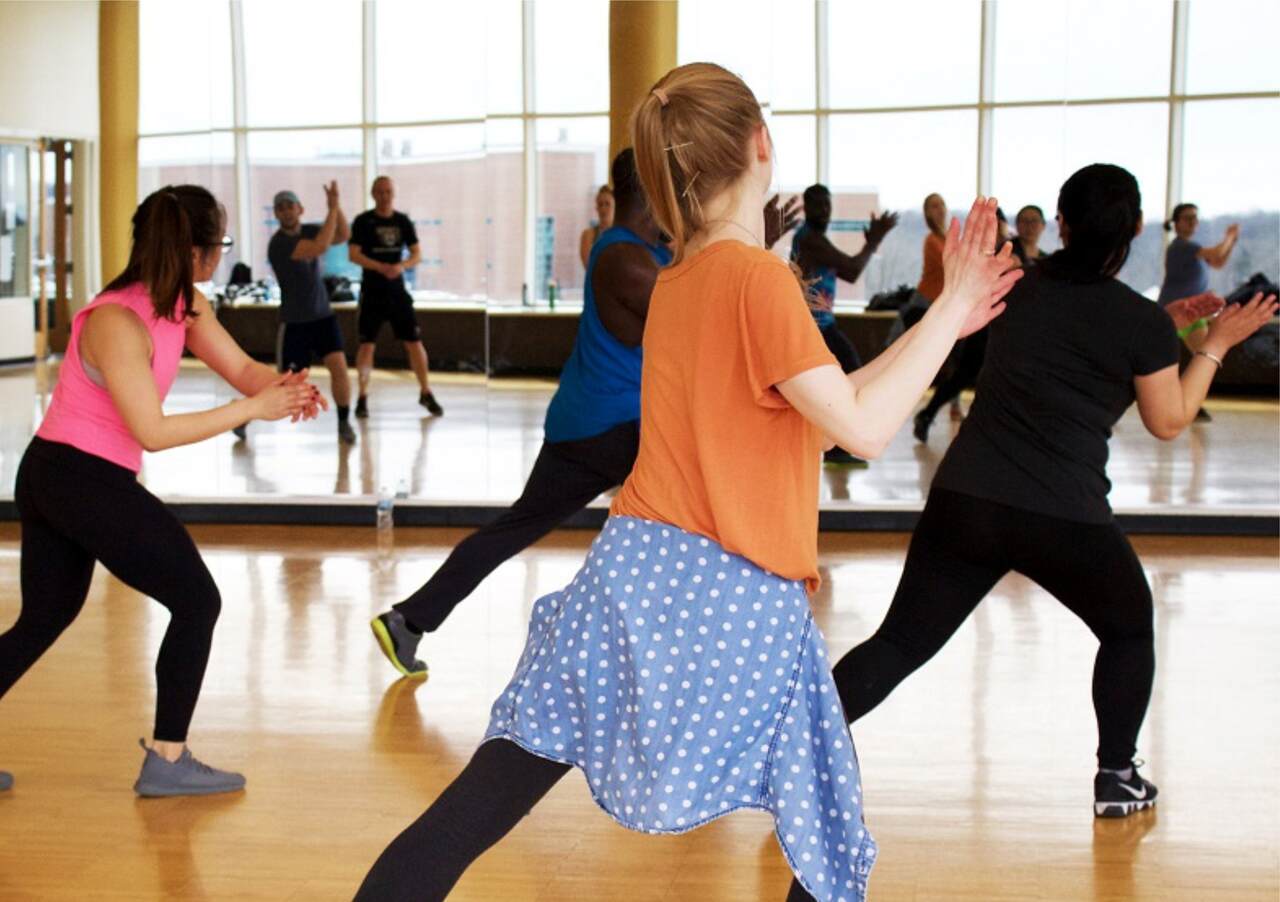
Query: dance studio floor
[
  {"x": 480, "y": 452},
  {"x": 977, "y": 772}
]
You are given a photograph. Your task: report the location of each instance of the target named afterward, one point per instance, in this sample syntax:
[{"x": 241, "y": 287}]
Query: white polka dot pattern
[{"x": 686, "y": 682}]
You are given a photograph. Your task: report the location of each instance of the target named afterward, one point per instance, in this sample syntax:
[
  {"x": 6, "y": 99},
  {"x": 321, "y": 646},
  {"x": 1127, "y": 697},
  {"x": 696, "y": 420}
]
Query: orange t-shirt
[
  {"x": 931, "y": 278},
  {"x": 722, "y": 454}
]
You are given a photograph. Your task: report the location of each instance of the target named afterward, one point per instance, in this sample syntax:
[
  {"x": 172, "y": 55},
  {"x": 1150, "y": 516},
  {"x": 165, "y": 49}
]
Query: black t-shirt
[
  {"x": 303, "y": 297},
  {"x": 383, "y": 239},
  {"x": 1058, "y": 375}
]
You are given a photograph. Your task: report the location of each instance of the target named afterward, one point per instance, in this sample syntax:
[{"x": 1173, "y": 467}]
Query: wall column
[
  {"x": 118, "y": 129},
  {"x": 642, "y": 48}
]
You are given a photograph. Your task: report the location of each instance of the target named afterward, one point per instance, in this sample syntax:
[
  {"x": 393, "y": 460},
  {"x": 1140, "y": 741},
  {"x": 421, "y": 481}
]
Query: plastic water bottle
[
  {"x": 402, "y": 489},
  {"x": 385, "y": 510}
]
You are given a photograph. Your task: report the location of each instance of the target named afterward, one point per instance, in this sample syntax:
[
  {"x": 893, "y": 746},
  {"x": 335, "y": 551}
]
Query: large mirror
[{"x": 491, "y": 121}]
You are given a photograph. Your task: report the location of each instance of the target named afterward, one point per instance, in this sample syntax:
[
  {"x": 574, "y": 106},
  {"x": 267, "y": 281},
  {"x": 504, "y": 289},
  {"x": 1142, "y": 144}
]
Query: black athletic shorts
[
  {"x": 301, "y": 343},
  {"x": 396, "y": 309}
]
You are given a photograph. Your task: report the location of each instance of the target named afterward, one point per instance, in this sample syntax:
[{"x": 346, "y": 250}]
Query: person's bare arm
[
  {"x": 585, "y": 240},
  {"x": 863, "y": 418},
  {"x": 1218, "y": 255},
  {"x": 357, "y": 256},
  {"x": 342, "y": 231},
  {"x": 311, "y": 248},
  {"x": 115, "y": 341},
  {"x": 1168, "y": 403},
  {"x": 621, "y": 284}
]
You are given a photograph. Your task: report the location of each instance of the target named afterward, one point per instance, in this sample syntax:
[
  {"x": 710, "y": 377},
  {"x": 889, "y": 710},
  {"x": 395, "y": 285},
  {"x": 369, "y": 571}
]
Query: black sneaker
[
  {"x": 428, "y": 400},
  {"x": 6, "y": 780},
  {"x": 346, "y": 434},
  {"x": 399, "y": 643},
  {"x": 362, "y": 407},
  {"x": 1114, "y": 797},
  {"x": 920, "y": 427},
  {"x": 241, "y": 431},
  {"x": 838, "y": 457}
]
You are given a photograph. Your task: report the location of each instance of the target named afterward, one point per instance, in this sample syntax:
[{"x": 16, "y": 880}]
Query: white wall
[{"x": 49, "y": 68}]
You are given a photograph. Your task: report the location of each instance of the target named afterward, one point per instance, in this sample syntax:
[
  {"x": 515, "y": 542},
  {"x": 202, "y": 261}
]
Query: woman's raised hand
[{"x": 976, "y": 277}]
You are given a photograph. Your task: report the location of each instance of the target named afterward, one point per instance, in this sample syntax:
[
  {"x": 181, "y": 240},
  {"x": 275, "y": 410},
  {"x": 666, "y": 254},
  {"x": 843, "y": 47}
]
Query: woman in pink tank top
[{"x": 77, "y": 492}]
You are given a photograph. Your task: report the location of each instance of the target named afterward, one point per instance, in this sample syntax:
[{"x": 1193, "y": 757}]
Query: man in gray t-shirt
[{"x": 308, "y": 328}]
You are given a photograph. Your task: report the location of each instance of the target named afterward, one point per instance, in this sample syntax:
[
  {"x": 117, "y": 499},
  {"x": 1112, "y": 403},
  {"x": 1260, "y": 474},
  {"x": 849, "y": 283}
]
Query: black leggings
[
  {"x": 566, "y": 477},
  {"x": 498, "y": 787},
  {"x": 961, "y": 548},
  {"x": 77, "y": 508},
  {"x": 968, "y": 364}
]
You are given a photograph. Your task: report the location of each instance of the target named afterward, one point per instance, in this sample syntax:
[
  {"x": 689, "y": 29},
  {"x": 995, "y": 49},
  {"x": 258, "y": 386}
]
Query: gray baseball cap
[{"x": 285, "y": 197}]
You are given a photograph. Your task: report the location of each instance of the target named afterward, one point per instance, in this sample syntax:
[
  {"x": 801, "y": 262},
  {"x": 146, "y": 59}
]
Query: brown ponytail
[
  {"x": 167, "y": 226},
  {"x": 691, "y": 135}
]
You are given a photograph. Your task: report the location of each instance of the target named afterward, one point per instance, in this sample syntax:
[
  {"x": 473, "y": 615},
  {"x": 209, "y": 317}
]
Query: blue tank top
[
  {"x": 823, "y": 291},
  {"x": 600, "y": 382}
]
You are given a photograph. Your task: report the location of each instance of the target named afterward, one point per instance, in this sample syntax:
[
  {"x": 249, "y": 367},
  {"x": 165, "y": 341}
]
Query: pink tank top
[{"x": 82, "y": 413}]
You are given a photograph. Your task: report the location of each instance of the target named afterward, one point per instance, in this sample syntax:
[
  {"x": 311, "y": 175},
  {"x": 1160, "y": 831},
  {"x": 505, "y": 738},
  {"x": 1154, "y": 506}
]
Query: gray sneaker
[
  {"x": 399, "y": 644},
  {"x": 185, "y": 777},
  {"x": 6, "y": 780}
]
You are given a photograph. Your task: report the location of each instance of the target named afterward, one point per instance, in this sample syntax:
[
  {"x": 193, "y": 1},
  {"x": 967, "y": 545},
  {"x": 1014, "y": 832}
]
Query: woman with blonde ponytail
[{"x": 681, "y": 670}]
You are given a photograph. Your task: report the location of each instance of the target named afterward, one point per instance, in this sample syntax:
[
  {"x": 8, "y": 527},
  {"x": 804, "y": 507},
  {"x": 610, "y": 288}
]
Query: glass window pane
[
  {"x": 207, "y": 160},
  {"x": 1034, "y": 149},
  {"x": 504, "y": 61},
  {"x": 1235, "y": 181},
  {"x": 173, "y": 94},
  {"x": 15, "y": 221},
  {"x": 571, "y": 56},
  {"x": 1074, "y": 49},
  {"x": 891, "y": 161},
  {"x": 572, "y": 165},
  {"x": 769, "y": 43},
  {"x": 302, "y": 162},
  {"x": 881, "y": 56},
  {"x": 1231, "y": 46},
  {"x": 795, "y": 161},
  {"x": 426, "y": 60},
  {"x": 731, "y": 33},
  {"x": 302, "y": 62},
  {"x": 440, "y": 176},
  {"x": 504, "y": 163}
]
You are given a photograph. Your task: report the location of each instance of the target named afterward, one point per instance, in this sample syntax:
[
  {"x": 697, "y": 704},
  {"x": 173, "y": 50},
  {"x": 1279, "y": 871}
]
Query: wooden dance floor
[{"x": 978, "y": 772}]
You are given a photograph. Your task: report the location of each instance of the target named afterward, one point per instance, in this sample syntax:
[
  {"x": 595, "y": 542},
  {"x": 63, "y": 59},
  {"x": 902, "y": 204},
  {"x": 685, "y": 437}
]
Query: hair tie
[
  {"x": 662, "y": 96},
  {"x": 678, "y": 146},
  {"x": 689, "y": 187}
]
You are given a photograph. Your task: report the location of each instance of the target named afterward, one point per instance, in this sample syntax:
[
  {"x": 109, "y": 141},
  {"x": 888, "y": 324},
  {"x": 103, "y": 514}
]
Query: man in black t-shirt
[
  {"x": 378, "y": 241},
  {"x": 308, "y": 328}
]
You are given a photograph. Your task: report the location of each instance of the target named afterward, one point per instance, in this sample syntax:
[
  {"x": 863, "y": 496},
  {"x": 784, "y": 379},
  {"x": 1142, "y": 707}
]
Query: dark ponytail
[
  {"x": 1102, "y": 209},
  {"x": 167, "y": 226}
]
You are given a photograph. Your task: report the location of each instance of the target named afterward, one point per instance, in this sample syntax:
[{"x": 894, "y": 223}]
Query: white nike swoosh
[{"x": 1133, "y": 792}]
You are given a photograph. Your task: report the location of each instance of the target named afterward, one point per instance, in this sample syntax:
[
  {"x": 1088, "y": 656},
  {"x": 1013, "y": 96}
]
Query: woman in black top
[
  {"x": 1024, "y": 485},
  {"x": 1030, "y": 226}
]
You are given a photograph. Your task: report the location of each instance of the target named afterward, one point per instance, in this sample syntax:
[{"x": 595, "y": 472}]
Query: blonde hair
[{"x": 690, "y": 135}]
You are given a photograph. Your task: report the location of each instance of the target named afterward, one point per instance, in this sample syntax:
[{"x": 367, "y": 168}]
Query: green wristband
[{"x": 1202, "y": 323}]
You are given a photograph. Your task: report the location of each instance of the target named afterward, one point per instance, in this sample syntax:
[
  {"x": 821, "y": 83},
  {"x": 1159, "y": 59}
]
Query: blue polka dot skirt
[{"x": 686, "y": 682}]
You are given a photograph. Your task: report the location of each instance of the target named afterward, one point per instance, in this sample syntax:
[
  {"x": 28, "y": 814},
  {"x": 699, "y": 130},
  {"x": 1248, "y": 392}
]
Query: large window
[
  {"x": 492, "y": 117},
  {"x": 498, "y": 175},
  {"x": 1009, "y": 98}
]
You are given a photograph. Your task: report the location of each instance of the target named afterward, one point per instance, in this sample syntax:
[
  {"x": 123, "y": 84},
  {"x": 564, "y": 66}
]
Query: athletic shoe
[
  {"x": 1202, "y": 416},
  {"x": 838, "y": 457},
  {"x": 185, "y": 777},
  {"x": 362, "y": 407},
  {"x": 241, "y": 432},
  {"x": 399, "y": 644},
  {"x": 1114, "y": 797},
  {"x": 346, "y": 433},
  {"x": 920, "y": 427},
  {"x": 6, "y": 780},
  {"x": 428, "y": 400}
]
